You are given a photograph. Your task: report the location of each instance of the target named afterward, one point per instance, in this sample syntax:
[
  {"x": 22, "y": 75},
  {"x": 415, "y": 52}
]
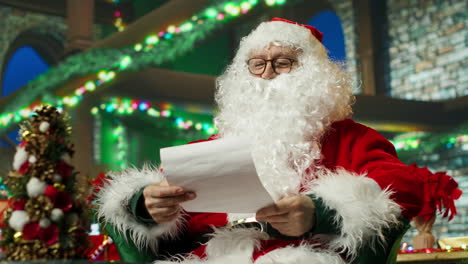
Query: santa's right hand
[{"x": 162, "y": 202}]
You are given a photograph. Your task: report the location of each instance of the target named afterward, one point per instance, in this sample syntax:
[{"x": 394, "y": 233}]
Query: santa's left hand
[{"x": 291, "y": 216}]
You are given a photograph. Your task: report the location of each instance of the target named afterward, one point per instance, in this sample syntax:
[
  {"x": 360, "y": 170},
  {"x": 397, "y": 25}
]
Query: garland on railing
[
  {"x": 166, "y": 111},
  {"x": 127, "y": 106},
  {"x": 430, "y": 148},
  {"x": 152, "y": 52},
  {"x": 427, "y": 142}
]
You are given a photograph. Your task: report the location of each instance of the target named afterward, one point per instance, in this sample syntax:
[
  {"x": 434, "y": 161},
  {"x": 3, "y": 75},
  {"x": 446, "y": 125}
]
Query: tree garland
[{"x": 46, "y": 218}]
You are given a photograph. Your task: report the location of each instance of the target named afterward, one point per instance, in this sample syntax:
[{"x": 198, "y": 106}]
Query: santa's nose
[{"x": 269, "y": 73}]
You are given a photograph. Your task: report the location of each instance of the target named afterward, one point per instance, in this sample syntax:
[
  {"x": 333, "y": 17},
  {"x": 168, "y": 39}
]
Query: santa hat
[
  {"x": 286, "y": 32},
  {"x": 315, "y": 32}
]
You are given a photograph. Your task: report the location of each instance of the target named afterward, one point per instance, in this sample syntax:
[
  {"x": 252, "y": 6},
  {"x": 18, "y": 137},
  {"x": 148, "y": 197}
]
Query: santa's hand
[
  {"x": 162, "y": 202},
  {"x": 291, "y": 216}
]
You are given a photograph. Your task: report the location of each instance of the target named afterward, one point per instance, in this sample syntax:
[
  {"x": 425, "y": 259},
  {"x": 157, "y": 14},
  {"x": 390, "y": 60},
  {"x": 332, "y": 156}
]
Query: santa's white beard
[{"x": 282, "y": 118}]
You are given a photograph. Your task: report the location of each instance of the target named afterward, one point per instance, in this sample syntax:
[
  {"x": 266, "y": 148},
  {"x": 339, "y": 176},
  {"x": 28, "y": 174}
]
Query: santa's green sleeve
[{"x": 137, "y": 239}]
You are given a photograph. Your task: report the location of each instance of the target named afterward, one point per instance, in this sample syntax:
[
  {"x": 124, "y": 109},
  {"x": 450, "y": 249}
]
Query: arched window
[
  {"x": 333, "y": 37},
  {"x": 23, "y": 66},
  {"x": 29, "y": 55}
]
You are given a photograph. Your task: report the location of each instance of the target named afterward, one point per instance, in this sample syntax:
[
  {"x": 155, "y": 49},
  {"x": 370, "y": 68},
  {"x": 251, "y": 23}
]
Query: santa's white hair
[{"x": 284, "y": 117}]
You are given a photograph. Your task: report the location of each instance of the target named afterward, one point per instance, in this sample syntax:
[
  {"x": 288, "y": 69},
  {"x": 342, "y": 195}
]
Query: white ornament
[
  {"x": 35, "y": 187},
  {"x": 32, "y": 159},
  {"x": 44, "y": 223},
  {"x": 56, "y": 178},
  {"x": 21, "y": 156},
  {"x": 18, "y": 219},
  {"x": 56, "y": 214},
  {"x": 66, "y": 157},
  {"x": 44, "y": 126}
]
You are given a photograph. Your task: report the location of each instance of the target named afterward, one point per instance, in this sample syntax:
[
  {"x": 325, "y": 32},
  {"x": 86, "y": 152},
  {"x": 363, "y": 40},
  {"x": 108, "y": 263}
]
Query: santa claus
[{"x": 341, "y": 195}]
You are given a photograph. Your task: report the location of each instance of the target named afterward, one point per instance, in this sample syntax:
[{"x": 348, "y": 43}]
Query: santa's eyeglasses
[{"x": 279, "y": 65}]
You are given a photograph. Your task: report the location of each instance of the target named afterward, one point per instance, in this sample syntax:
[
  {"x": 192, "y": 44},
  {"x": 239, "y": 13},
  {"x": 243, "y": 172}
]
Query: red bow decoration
[
  {"x": 100, "y": 180},
  {"x": 440, "y": 192}
]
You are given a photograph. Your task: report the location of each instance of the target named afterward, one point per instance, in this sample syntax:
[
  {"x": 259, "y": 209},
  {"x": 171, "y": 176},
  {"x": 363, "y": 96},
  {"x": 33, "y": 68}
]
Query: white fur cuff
[
  {"x": 363, "y": 209},
  {"x": 112, "y": 201}
]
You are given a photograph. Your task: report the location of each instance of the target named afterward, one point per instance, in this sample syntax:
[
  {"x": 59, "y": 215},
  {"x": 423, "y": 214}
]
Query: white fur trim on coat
[
  {"x": 304, "y": 254},
  {"x": 113, "y": 200},
  {"x": 363, "y": 209},
  {"x": 236, "y": 246}
]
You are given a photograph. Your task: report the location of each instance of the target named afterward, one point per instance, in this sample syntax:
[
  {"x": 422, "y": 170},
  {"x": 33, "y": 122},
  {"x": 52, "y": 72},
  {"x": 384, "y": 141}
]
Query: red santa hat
[
  {"x": 284, "y": 32},
  {"x": 315, "y": 32}
]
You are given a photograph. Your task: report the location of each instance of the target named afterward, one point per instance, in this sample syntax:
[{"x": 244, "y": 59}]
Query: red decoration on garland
[
  {"x": 24, "y": 168},
  {"x": 50, "y": 234},
  {"x": 18, "y": 204},
  {"x": 31, "y": 230},
  {"x": 51, "y": 192},
  {"x": 64, "y": 201},
  {"x": 64, "y": 169}
]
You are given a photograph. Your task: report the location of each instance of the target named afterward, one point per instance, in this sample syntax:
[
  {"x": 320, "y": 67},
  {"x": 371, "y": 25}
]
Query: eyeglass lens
[{"x": 280, "y": 65}]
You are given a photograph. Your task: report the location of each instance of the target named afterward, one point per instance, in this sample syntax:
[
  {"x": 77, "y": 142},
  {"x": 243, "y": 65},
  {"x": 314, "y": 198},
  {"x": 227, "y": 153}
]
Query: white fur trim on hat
[
  {"x": 113, "y": 200},
  {"x": 363, "y": 209},
  {"x": 21, "y": 156},
  {"x": 277, "y": 31}
]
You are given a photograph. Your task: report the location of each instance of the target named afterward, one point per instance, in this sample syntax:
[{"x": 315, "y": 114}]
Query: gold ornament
[
  {"x": 59, "y": 186},
  {"x": 18, "y": 236}
]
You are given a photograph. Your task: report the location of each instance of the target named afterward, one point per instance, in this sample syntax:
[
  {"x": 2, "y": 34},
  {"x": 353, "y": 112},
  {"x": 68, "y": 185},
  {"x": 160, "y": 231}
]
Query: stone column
[{"x": 80, "y": 18}]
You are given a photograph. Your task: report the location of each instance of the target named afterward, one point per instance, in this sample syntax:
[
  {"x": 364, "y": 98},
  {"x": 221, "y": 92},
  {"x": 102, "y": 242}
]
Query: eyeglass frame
[{"x": 272, "y": 65}]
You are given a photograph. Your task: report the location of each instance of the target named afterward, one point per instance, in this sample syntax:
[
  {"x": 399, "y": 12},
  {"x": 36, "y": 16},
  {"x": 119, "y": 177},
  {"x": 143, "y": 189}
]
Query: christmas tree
[{"x": 45, "y": 218}]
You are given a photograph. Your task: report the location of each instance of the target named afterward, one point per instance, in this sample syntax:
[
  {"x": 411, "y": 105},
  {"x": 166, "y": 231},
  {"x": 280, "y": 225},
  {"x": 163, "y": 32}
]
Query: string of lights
[
  {"x": 156, "y": 49},
  {"x": 127, "y": 106}
]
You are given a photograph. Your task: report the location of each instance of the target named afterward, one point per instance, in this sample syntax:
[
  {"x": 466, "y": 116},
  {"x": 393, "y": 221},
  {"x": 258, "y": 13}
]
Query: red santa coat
[
  {"x": 355, "y": 148},
  {"x": 366, "y": 184}
]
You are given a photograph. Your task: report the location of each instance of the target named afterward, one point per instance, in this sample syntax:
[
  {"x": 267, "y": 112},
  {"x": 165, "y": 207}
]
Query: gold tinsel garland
[{"x": 38, "y": 208}]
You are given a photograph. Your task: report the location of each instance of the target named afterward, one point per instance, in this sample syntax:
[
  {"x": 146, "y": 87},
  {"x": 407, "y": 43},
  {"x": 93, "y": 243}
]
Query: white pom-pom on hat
[
  {"x": 18, "y": 219},
  {"x": 35, "y": 187},
  {"x": 44, "y": 126},
  {"x": 21, "y": 156},
  {"x": 56, "y": 214}
]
